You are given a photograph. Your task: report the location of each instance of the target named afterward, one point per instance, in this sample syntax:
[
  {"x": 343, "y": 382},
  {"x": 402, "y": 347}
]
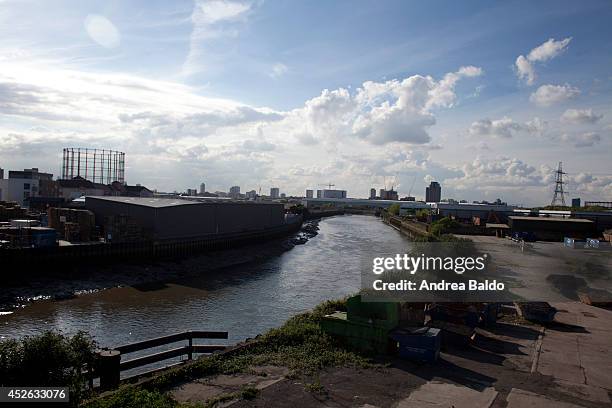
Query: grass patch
[
  {"x": 316, "y": 387},
  {"x": 130, "y": 397},
  {"x": 299, "y": 345}
]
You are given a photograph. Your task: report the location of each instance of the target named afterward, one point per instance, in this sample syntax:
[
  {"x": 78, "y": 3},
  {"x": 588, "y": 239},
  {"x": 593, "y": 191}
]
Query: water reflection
[{"x": 245, "y": 300}]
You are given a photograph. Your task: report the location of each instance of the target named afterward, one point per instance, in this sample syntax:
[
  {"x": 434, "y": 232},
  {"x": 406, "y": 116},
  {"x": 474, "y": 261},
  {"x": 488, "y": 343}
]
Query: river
[{"x": 245, "y": 299}]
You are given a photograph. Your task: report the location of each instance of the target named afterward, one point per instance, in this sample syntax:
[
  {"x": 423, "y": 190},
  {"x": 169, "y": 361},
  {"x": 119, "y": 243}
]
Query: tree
[
  {"x": 443, "y": 226},
  {"x": 394, "y": 209}
]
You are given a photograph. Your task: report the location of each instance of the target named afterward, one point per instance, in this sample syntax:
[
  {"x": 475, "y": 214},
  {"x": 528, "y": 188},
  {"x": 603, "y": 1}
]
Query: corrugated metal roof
[
  {"x": 144, "y": 201},
  {"x": 157, "y": 202}
]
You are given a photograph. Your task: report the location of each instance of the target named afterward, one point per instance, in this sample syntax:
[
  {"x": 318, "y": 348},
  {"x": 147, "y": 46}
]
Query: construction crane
[
  {"x": 329, "y": 185},
  {"x": 411, "y": 187}
]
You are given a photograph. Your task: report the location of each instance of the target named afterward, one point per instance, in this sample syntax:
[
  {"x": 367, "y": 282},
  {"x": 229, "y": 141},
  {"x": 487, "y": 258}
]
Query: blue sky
[{"x": 233, "y": 92}]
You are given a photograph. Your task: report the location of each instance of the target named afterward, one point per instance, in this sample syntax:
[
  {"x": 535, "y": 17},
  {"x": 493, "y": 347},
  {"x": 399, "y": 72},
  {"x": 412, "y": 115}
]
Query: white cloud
[
  {"x": 443, "y": 93},
  {"x": 306, "y": 139},
  {"x": 505, "y": 127},
  {"x": 278, "y": 70},
  {"x": 542, "y": 53},
  {"x": 102, "y": 31},
  {"x": 211, "y": 19},
  {"x": 598, "y": 186},
  {"x": 580, "y": 116},
  {"x": 525, "y": 70},
  {"x": 582, "y": 140},
  {"x": 536, "y": 126},
  {"x": 210, "y": 12},
  {"x": 381, "y": 112},
  {"x": 254, "y": 145},
  {"x": 219, "y": 139},
  {"x": 501, "y": 173},
  {"x": 547, "y": 95},
  {"x": 548, "y": 50}
]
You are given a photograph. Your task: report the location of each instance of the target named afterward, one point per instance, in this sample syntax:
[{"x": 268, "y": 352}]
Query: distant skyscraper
[
  {"x": 433, "y": 193},
  {"x": 319, "y": 193},
  {"x": 372, "y": 193},
  {"x": 234, "y": 191},
  {"x": 251, "y": 194},
  {"x": 274, "y": 192},
  {"x": 575, "y": 202},
  {"x": 192, "y": 191},
  {"x": 333, "y": 193},
  {"x": 309, "y": 194},
  {"x": 202, "y": 188},
  {"x": 283, "y": 195}
]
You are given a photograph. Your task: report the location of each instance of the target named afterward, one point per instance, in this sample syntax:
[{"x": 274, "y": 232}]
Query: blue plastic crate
[{"x": 419, "y": 344}]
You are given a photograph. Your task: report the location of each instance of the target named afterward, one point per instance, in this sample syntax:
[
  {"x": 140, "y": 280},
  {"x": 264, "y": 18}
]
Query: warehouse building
[
  {"x": 552, "y": 229},
  {"x": 127, "y": 218},
  {"x": 467, "y": 212}
]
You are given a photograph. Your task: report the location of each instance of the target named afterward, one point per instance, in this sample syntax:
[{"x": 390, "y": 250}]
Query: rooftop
[
  {"x": 549, "y": 219},
  {"x": 172, "y": 202},
  {"x": 144, "y": 201}
]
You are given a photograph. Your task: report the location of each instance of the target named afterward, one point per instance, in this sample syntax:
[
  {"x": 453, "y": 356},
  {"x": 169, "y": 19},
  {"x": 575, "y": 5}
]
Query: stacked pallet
[
  {"x": 72, "y": 224},
  {"x": 10, "y": 210}
]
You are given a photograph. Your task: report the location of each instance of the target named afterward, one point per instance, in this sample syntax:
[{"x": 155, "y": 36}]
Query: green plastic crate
[
  {"x": 363, "y": 336},
  {"x": 382, "y": 314}
]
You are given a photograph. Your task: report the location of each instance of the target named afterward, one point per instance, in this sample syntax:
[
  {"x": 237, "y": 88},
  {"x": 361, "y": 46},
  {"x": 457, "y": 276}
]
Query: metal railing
[{"x": 110, "y": 364}]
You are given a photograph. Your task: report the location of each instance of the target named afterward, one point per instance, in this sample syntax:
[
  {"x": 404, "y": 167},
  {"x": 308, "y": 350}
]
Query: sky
[{"x": 484, "y": 97}]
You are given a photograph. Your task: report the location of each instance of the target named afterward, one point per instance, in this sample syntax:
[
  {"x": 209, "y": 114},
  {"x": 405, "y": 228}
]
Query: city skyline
[{"x": 247, "y": 94}]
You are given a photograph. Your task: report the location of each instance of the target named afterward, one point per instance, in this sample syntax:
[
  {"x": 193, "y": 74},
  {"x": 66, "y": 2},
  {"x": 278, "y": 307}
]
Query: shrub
[
  {"x": 443, "y": 226},
  {"x": 422, "y": 214},
  {"x": 48, "y": 360}
]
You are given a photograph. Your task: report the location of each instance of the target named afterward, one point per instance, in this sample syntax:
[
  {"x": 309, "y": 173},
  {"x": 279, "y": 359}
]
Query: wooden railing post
[
  {"x": 190, "y": 352},
  {"x": 110, "y": 369}
]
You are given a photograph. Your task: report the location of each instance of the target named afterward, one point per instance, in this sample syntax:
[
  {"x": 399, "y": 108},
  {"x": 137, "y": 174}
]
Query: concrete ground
[
  {"x": 511, "y": 365},
  {"x": 548, "y": 271}
]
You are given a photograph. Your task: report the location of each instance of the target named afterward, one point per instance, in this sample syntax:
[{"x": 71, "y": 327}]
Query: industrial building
[
  {"x": 358, "y": 203},
  {"x": 166, "y": 219},
  {"x": 552, "y": 229},
  {"x": 388, "y": 194},
  {"x": 605, "y": 204},
  {"x": 468, "y": 212},
  {"x": 20, "y": 186}
]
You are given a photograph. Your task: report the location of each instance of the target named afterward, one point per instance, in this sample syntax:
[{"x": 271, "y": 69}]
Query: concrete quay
[{"x": 512, "y": 364}]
